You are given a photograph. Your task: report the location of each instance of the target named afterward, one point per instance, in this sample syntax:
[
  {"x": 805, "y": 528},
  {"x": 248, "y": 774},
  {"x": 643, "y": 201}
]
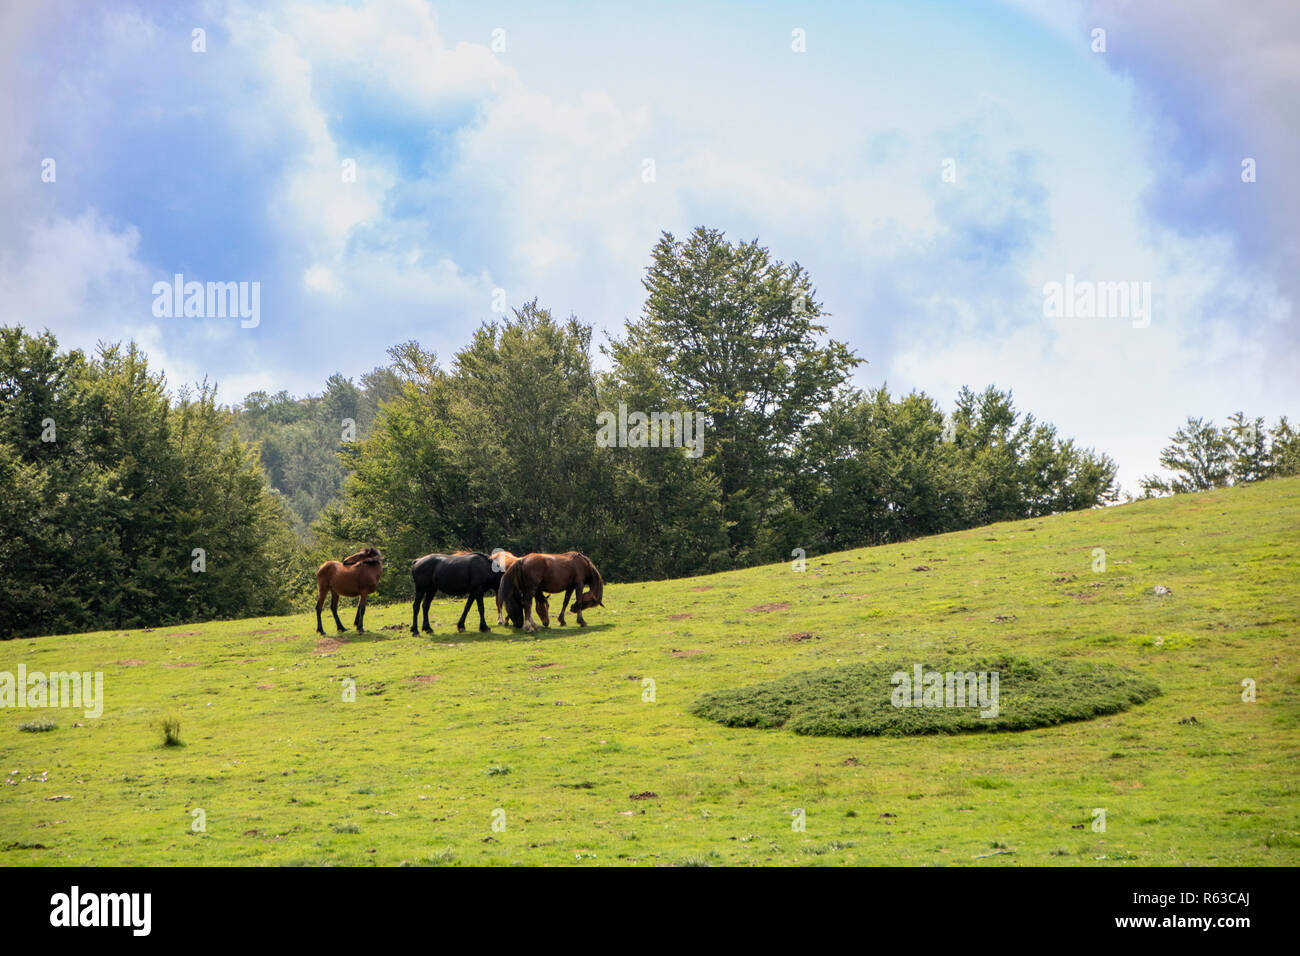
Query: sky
[{"x": 400, "y": 169}]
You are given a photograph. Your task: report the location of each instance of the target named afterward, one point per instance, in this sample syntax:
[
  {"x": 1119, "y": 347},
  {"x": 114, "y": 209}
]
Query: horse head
[
  {"x": 593, "y": 597},
  {"x": 512, "y": 597},
  {"x": 367, "y": 555}
]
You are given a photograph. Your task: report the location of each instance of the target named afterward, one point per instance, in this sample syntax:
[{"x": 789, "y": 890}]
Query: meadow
[{"x": 578, "y": 746}]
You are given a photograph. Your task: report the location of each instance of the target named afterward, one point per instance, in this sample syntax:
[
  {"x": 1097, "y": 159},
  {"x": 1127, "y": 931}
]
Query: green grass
[
  {"x": 861, "y": 700},
  {"x": 607, "y": 764}
]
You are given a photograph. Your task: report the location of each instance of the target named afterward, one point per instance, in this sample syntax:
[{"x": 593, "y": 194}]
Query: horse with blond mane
[{"x": 536, "y": 574}]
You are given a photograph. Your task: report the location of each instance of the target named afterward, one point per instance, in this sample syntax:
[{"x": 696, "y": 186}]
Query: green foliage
[
  {"x": 1203, "y": 457},
  {"x": 110, "y": 485},
  {"x": 498, "y": 450},
  {"x": 171, "y": 732},
  {"x": 732, "y": 333},
  {"x": 303, "y": 442},
  {"x": 874, "y": 469},
  {"x": 858, "y": 700}
]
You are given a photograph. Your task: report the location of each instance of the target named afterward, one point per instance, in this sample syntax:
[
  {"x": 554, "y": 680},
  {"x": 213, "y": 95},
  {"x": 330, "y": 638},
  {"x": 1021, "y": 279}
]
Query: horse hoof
[{"x": 484, "y": 628}]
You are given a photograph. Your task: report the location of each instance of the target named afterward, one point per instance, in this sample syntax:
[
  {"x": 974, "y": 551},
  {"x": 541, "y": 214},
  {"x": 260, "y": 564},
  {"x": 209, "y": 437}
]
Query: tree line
[
  {"x": 497, "y": 448},
  {"x": 124, "y": 506},
  {"x": 115, "y": 491}
]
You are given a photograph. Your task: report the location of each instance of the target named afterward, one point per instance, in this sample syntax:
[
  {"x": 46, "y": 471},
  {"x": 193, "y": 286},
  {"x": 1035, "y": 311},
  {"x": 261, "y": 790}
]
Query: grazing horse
[
  {"x": 536, "y": 573},
  {"x": 501, "y": 560},
  {"x": 357, "y": 576},
  {"x": 468, "y": 573}
]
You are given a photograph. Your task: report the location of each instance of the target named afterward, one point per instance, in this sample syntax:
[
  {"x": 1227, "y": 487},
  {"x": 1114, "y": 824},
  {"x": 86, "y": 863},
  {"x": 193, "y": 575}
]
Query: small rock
[{"x": 1161, "y": 591}]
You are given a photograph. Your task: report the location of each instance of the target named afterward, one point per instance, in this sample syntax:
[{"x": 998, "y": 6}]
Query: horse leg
[
  {"x": 361, "y": 614},
  {"x": 334, "y": 609},
  {"x": 577, "y": 602},
  {"x": 320, "y": 603},
  {"x": 460, "y": 625},
  {"x": 428, "y": 599},
  {"x": 501, "y": 621},
  {"x": 415, "y": 612},
  {"x": 565, "y": 606},
  {"x": 482, "y": 622}
]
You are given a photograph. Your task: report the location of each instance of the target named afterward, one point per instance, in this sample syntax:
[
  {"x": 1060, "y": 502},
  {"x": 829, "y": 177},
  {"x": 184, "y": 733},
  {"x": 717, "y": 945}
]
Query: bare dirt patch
[
  {"x": 183, "y": 664},
  {"x": 689, "y": 652},
  {"x": 328, "y": 645},
  {"x": 644, "y": 795},
  {"x": 703, "y": 587},
  {"x": 130, "y": 662},
  {"x": 426, "y": 678},
  {"x": 540, "y": 667},
  {"x": 764, "y": 608},
  {"x": 680, "y": 617},
  {"x": 802, "y": 636}
]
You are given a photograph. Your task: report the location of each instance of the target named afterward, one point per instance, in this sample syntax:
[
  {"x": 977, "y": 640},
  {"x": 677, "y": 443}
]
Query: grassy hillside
[{"x": 554, "y": 731}]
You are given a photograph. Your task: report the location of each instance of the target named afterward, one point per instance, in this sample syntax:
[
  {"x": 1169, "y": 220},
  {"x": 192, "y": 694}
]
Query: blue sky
[{"x": 522, "y": 169}]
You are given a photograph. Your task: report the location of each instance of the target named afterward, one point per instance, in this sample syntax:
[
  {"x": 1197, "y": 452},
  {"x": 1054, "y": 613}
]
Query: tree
[{"x": 730, "y": 332}]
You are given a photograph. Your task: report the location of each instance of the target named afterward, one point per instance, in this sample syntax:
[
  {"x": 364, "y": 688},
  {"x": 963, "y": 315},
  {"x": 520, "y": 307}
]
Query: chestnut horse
[
  {"x": 357, "y": 576},
  {"x": 501, "y": 561},
  {"x": 537, "y": 573}
]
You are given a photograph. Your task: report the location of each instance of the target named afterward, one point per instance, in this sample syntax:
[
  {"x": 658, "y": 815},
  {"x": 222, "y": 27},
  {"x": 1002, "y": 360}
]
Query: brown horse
[
  {"x": 357, "y": 576},
  {"x": 534, "y": 574},
  {"x": 501, "y": 561}
]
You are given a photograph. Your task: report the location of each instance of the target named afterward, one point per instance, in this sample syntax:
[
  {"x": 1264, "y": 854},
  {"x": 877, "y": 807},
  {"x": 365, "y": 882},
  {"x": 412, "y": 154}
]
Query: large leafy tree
[{"x": 731, "y": 332}]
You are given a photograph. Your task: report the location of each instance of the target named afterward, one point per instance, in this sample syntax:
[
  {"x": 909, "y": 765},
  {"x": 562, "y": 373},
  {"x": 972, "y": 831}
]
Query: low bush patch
[{"x": 859, "y": 700}]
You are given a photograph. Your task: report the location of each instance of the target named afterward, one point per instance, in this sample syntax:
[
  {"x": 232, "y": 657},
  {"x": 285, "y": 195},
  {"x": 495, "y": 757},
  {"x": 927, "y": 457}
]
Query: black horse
[{"x": 468, "y": 573}]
